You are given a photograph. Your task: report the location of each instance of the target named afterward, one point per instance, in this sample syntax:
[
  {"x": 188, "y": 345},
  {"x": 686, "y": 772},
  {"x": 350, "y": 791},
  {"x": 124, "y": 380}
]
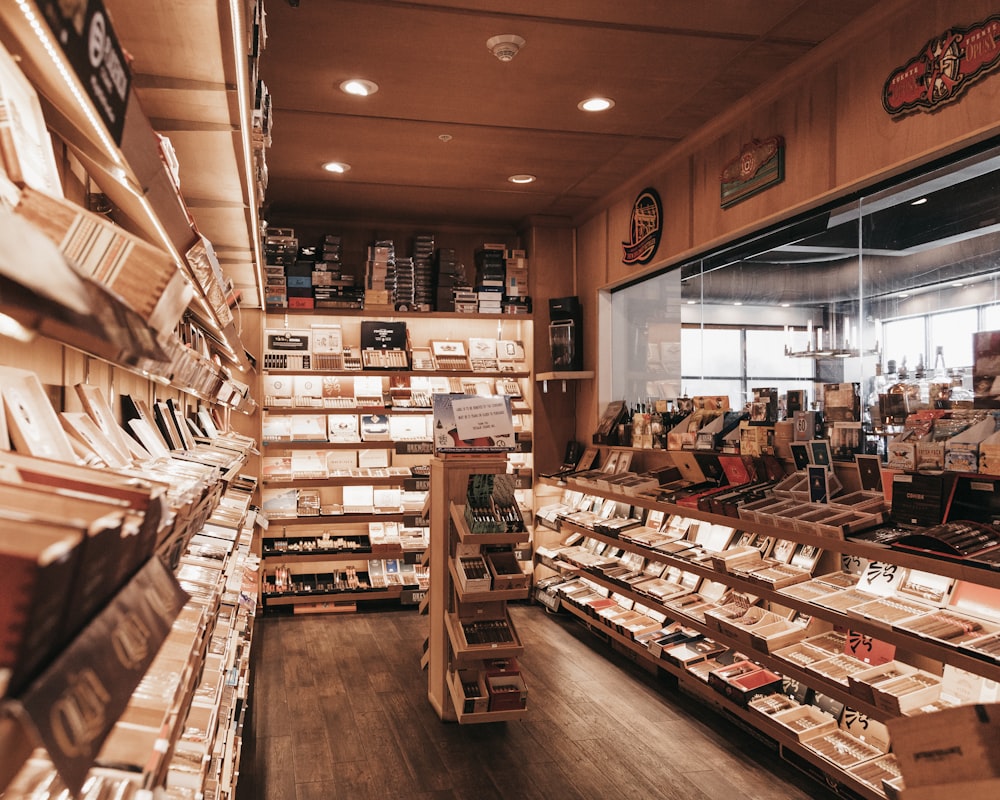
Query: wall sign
[
  {"x": 759, "y": 165},
  {"x": 84, "y": 32},
  {"x": 944, "y": 69},
  {"x": 645, "y": 227}
]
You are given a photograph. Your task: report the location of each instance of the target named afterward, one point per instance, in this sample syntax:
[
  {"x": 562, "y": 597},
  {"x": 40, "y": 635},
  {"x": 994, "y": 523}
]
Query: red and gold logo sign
[
  {"x": 759, "y": 165},
  {"x": 944, "y": 69}
]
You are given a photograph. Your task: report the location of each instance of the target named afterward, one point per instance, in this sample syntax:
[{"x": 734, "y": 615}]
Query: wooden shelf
[
  {"x": 701, "y": 691},
  {"x": 564, "y": 376},
  {"x": 486, "y": 595},
  {"x": 867, "y": 550},
  {"x": 468, "y": 537},
  {"x": 390, "y": 593},
  {"x": 464, "y": 653},
  {"x": 337, "y": 519},
  {"x": 319, "y": 558},
  {"x": 335, "y": 481},
  {"x": 300, "y": 444},
  {"x": 476, "y": 717},
  {"x": 281, "y": 411},
  {"x": 903, "y": 639},
  {"x": 400, "y": 373},
  {"x": 392, "y": 315}
]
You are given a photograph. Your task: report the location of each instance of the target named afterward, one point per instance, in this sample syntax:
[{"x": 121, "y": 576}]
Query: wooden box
[{"x": 507, "y": 692}]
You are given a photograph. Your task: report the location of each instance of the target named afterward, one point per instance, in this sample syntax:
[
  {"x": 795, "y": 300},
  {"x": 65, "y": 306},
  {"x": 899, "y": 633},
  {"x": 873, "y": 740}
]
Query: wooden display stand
[{"x": 447, "y": 655}]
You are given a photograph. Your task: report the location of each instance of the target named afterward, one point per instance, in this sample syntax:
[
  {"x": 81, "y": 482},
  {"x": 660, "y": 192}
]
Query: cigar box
[
  {"x": 469, "y": 686},
  {"x": 744, "y": 688},
  {"x": 841, "y": 748},
  {"x": 767, "y": 638},
  {"x": 506, "y": 692},
  {"x": 887, "y": 611},
  {"x": 766, "y": 511},
  {"x": 904, "y": 693},
  {"x": 776, "y": 575},
  {"x": 743, "y": 556},
  {"x": 506, "y": 571},
  {"x": 743, "y": 627},
  {"x": 805, "y": 721},
  {"x": 473, "y": 574},
  {"x": 670, "y": 636},
  {"x": 877, "y": 772},
  {"x": 771, "y": 704},
  {"x": 801, "y": 654}
]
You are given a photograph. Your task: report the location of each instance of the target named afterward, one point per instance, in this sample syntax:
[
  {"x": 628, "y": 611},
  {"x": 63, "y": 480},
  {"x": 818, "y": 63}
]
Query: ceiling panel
[{"x": 670, "y": 65}]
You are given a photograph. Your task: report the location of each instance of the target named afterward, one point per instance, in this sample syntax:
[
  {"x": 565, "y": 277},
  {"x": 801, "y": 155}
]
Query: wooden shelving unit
[
  {"x": 449, "y": 605},
  {"x": 910, "y": 647},
  {"x": 407, "y": 451}
]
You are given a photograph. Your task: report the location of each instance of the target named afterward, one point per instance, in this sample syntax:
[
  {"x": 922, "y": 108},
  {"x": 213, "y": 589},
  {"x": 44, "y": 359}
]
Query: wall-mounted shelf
[{"x": 545, "y": 377}]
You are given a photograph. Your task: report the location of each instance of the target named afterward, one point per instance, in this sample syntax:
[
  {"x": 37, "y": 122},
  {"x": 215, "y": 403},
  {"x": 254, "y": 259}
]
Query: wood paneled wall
[{"x": 838, "y": 137}]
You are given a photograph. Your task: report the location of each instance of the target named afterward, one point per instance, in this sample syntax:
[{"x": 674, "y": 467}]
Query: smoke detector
[{"x": 506, "y": 46}]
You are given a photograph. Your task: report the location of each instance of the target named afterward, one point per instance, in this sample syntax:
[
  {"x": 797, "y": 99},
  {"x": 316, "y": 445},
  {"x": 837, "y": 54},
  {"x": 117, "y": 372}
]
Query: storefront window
[{"x": 905, "y": 274}]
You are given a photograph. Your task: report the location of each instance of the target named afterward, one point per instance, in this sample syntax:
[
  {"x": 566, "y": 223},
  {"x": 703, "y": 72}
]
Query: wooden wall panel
[{"x": 839, "y": 139}]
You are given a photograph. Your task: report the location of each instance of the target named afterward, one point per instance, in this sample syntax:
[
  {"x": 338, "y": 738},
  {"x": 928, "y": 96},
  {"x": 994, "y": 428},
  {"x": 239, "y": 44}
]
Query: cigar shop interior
[{"x": 446, "y": 399}]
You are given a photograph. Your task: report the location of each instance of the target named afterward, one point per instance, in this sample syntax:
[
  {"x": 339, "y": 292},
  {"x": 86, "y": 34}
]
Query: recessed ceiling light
[
  {"x": 445, "y": 137},
  {"x": 903, "y": 295},
  {"x": 785, "y": 305},
  {"x": 919, "y": 201},
  {"x": 359, "y": 87},
  {"x": 738, "y": 303},
  {"x": 692, "y": 302},
  {"x": 956, "y": 284},
  {"x": 337, "y": 167},
  {"x": 596, "y": 104},
  {"x": 523, "y": 178}
]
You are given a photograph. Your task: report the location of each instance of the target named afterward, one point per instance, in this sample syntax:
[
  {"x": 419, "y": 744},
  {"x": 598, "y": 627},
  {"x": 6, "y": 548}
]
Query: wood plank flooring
[{"x": 339, "y": 709}]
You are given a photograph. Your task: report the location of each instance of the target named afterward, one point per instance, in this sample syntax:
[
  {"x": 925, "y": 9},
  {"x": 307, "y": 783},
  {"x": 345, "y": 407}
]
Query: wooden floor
[{"x": 339, "y": 710}]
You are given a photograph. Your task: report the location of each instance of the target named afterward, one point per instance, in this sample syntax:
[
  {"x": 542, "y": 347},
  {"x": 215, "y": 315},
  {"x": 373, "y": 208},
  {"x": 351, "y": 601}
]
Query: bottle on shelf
[
  {"x": 939, "y": 383},
  {"x": 873, "y": 403},
  {"x": 903, "y": 394},
  {"x": 656, "y": 428}
]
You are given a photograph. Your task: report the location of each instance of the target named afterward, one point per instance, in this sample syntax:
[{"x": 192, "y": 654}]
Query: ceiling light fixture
[
  {"x": 596, "y": 104},
  {"x": 359, "y": 87},
  {"x": 445, "y": 137},
  {"x": 919, "y": 201},
  {"x": 505, "y": 46},
  {"x": 523, "y": 178},
  {"x": 336, "y": 167}
]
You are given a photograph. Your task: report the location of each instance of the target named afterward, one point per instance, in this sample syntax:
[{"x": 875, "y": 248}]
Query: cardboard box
[
  {"x": 960, "y": 741},
  {"x": 961, "y": 452}
]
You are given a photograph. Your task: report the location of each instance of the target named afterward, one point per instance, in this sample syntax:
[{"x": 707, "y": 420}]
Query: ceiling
[{"x": 669, "y": 65}]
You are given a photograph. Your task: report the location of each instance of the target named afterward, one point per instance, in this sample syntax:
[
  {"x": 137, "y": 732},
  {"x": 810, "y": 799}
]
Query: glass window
[
  {"x": 952, "y": 332},
  {"x": 825, "y": 298},
  {"x": 711, "y": 352},
  {"x": 905, "y": 341},
  {"x": 766, "y": 356}
]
